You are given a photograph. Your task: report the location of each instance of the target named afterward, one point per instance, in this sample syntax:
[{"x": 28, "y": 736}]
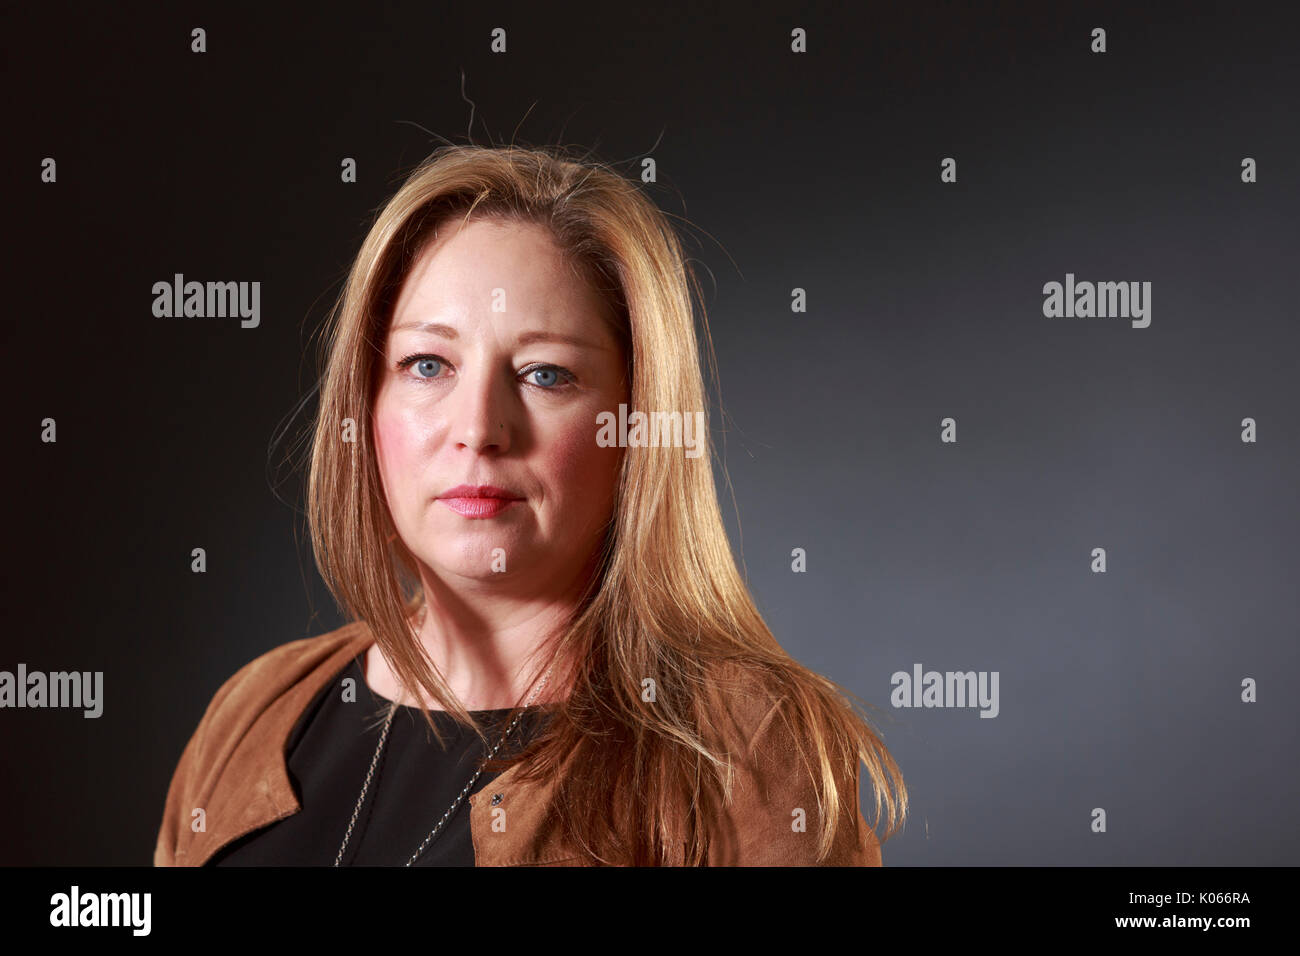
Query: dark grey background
[{"x": 821, "y": 171}]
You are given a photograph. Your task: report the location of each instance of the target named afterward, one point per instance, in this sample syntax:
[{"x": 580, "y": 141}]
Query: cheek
[
  {"x": 577, "y": 468},
  {"x": 397, "y": 446}
]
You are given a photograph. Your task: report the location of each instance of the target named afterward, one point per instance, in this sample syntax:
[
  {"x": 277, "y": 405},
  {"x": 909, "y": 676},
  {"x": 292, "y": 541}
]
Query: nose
[{"x": 481, "y": 412}]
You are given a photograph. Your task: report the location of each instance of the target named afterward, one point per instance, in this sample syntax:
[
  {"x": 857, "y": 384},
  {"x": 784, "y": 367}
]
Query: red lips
[
  {"x": 478, "y": 501},
  {"x": 479, "y": 491}
]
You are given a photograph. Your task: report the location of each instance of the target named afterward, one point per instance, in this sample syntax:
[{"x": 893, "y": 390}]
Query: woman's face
[{"x": 497, "y": 362}]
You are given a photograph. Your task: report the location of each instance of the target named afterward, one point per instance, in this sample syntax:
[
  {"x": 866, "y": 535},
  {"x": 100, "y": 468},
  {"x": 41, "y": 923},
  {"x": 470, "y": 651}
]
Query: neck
[{"x": 492, "y": 649}]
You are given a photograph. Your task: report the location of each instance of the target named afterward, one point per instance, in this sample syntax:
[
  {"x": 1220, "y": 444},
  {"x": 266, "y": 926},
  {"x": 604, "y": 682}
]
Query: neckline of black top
[{"x": 383, "y": 701}]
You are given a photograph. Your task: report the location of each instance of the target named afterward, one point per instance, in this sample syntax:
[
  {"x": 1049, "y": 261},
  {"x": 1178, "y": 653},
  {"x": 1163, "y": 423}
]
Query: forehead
[{"x": 512, "y": 271}]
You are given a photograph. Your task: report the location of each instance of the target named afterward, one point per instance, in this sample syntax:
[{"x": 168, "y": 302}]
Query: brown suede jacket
[{"x": 234, "y": 769}]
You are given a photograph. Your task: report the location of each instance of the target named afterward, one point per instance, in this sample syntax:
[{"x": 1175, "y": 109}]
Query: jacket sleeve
[{"x": 773, "y": 818}]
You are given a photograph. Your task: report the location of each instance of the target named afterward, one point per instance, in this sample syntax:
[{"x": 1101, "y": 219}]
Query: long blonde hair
[{"x": 667, "y": 600}]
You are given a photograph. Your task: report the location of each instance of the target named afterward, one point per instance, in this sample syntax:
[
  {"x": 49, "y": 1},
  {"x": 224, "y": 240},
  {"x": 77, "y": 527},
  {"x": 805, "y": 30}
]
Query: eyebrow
[{"x": 524, "y": 338}]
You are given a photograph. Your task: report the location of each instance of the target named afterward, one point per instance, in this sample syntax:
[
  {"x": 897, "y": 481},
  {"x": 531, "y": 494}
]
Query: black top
[{"x": 415, "y": 782}]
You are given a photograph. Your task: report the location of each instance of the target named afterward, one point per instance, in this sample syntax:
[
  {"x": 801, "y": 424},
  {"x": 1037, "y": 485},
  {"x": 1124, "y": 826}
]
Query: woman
[{"x": 493, "y": 548}]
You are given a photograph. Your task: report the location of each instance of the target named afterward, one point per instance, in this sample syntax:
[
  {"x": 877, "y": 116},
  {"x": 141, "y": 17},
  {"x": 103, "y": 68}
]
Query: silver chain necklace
[{"x": 383, "y": 738}]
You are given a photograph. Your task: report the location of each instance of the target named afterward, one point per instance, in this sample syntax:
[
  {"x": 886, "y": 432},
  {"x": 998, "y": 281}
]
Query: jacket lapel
[{"x": 246, "y": 782}]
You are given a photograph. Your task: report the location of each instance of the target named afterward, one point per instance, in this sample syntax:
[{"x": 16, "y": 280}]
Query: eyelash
[{"x": 566, "y": 378}]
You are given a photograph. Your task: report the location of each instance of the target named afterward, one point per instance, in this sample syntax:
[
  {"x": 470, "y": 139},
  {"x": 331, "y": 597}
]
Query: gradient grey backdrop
[{"x": 821, "y": 171}]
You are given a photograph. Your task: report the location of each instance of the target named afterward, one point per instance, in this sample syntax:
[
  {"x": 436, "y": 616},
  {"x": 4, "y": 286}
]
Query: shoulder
[
  {"x": 784, "y": 779},
  {"x": 272, "y": 681},
  {"x": 286, "y": 664},
  {"x": 271, "y": 674},
  {"x": 742, "y": 699}
]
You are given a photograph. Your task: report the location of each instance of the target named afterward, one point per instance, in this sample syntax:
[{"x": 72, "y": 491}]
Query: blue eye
[
  {"x": 427, "y": 366},
  {"x": 549, "y": 378}
]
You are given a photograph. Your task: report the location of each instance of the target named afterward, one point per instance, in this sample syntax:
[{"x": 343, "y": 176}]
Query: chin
[{"x": 479, "y": 557}]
